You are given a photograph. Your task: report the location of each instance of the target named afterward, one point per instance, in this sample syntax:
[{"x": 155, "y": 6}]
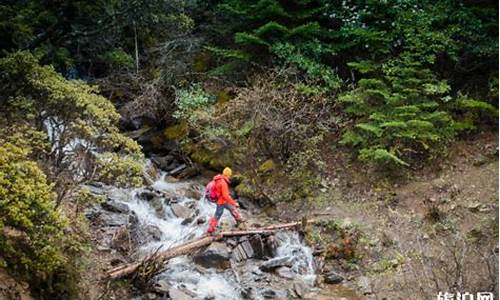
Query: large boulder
[
  {"x": 115, "y": 206},
  {"x": 163, "y": 162},
  {"x": 333, "y": 277},
  {"x": 153, "y": 232},
  {"x": 215, "y": 256},
  {"x": 270, "y": 293},
  {"x": 112, "y": 219},
  {"x": 254, "y": 247},
  {"x": 176, "y": 294},
  {"x": 285, "y": 272},
  {"x": 274, "y": 263},
  {"x": 180, "y": 211}
]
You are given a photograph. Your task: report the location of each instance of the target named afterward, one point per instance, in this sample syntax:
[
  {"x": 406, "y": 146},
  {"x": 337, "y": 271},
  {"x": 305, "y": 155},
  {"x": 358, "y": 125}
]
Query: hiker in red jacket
[{"x": 219, "y": 189}]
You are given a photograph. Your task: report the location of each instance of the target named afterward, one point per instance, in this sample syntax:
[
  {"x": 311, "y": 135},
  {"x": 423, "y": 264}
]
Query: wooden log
[{"x": 127, "y": 269}]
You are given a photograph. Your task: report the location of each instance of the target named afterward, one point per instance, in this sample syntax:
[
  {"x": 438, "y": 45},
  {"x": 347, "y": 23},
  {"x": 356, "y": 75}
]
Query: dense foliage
[
  {"x": 409, "y": 61},
  {"x": 33, "y": 240},
  {"x": 54, "y": 134}
]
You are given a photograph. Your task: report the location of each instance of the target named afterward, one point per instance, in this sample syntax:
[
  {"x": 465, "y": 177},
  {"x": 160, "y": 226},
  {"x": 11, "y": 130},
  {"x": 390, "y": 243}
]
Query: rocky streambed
[{"x": 137, "y": 222}]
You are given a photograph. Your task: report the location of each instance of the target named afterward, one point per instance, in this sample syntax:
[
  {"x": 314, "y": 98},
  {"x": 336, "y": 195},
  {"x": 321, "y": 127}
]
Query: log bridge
[{"x": 188, "y": 247}]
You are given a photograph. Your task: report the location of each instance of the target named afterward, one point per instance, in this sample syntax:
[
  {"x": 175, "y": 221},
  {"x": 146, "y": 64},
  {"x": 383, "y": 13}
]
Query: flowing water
[{"x": 182, "y": 272}]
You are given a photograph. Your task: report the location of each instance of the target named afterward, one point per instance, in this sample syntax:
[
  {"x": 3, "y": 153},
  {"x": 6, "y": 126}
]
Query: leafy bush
[
  {"x": 80, "y": 124},
  {"x": 192, "y": 105},
  {"x": 117, "y": 58},
  {"x": 34, "y": 243},
  {"x": 271, "y": 120}
]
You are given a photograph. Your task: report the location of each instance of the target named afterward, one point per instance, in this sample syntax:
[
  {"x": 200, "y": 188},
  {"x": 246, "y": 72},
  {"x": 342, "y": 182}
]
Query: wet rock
[
  {"x": 92, "y": 214},
  {"x": 201, "y": 220},
  {"x": 118, "y": 195},
  {"x": 162, "y": 162},
  {"x": 285, "y": 272},
  {"x": 114, "y": 206},
  {"x": 161, "y": 287},
  {"x": 188, "y": 172},
  {"x": 270, "y": 293},
  {"x": 187, "y": 221},
  {"x": 121, "y": 240},
  {"x": 181, "y": 211},
  {"x": 176, "y": 171},
  {"x": 242, "y": 252},
  {"x": 232, "y": 242},
  {"x": 254, "y": 247},
  {"x": 153, "y": 231},
  {"x": 215, "y": 256},
  {"x": 159, "y": 207},
  {"x": 150, "y": 296},
  {"x": 276, "y": 262},
  {"x": 193, "y": 193},
  {"x": 112, "y": 219},
  {"x": 176, "y": 294},
  {"x": 364, "y": 285},
  {"x": 149, "y": 195},
  {"x": 300, "y": 289},
  {"x": 333, "y": 277},
  {"x": 96, "y": 188}
]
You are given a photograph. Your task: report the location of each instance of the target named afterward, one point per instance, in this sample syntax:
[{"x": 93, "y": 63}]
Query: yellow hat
[{"x": 227, "y": 172}]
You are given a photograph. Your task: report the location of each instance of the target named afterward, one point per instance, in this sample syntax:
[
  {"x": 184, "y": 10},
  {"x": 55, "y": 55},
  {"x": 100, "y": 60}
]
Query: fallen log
[{"x": 188, "y": 247}]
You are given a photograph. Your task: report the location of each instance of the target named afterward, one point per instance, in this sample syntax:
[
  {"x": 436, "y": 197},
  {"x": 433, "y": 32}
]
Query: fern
[{"x": 382, "y": 156}]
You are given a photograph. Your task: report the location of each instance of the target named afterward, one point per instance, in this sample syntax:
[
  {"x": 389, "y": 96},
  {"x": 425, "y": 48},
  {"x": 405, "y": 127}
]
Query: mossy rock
[
  {"x": 244, "y": 189},
  {"x": 176, "y": 132},
  {"x": 267, "y": 166},
  {"x": 212, "y": 159}
]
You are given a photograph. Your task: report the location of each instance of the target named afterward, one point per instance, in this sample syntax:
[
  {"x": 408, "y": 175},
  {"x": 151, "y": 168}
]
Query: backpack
[{"x": 211, "y": 192}]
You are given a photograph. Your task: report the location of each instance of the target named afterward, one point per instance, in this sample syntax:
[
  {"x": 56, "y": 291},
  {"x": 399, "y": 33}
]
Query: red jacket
[{"x": 222, "y": 186}]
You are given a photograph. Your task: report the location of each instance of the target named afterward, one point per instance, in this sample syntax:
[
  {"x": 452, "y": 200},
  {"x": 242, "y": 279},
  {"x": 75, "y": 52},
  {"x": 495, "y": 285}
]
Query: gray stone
[
  {"x": 333, "y": 278},
  {"x": 96, "y": 188},
  {"x": 176, "y": 294},
  {"x": 153, "y": 231},
  {"x": 161, "y": 287},
  {"x": 277, "y": 262},
  {"x": 187, "y": 221},
  {"x": 115, "y": 206},
  {"x": 364, "y": 285},
  {"x": 177, "y": 170},
  {"x": 215, "y": 256},
  {"x": 300, "y": 289},
  {"x": 113, "y": 219},
  {"x": 181, "y": 211},
  {"x": 162, "y": 162},
  {"x": 148, "y": 195},
  {"x": 285, "y": 272},
  {"x": 270, "y": 293},
  {"x": 158, "y": 205}
]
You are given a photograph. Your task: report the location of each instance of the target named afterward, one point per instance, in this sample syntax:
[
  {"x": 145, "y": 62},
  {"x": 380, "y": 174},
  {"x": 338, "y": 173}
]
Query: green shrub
[
  {"x": 80, "y": 124},
  {"x": 34, "y": 243}
]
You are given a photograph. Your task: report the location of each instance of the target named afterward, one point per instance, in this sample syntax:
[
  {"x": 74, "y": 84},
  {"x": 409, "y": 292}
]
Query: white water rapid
[{"x": 182, "y": 272}]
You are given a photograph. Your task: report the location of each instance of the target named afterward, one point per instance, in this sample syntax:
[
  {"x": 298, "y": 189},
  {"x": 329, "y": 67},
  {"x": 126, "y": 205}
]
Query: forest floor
[{"x": 428, "y": 214}]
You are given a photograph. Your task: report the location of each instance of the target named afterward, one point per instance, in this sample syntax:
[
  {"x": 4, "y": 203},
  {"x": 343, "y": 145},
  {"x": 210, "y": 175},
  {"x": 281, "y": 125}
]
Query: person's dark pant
[{"x": 220, "y": 210}]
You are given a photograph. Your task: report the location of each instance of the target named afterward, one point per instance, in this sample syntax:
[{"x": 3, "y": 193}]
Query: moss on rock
[{"x": 176, "y": 132}]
